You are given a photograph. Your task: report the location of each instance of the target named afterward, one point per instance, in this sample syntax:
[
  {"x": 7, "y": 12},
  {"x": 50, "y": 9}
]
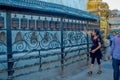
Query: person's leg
[
  {"x": 91, "y": 65},
  {"x": 119, "y": 68},
  {"x": 115, "y": 69},
  {"x": 99, "y": 66}
]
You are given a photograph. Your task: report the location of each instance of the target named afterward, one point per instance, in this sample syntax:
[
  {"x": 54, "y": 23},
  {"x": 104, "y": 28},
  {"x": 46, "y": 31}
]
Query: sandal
[
  {"x": 90, "y": 73},
  {"x": 99, "y": 72}
]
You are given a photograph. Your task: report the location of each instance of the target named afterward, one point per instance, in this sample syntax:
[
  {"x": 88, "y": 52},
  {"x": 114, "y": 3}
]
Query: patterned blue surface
[{"x": 42, "y": 42}]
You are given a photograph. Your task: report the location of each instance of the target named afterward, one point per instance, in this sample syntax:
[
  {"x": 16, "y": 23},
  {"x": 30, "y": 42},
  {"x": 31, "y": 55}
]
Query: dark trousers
[
  {"x": 93, "y": 60},
  {"x": 116, "y": 69}
]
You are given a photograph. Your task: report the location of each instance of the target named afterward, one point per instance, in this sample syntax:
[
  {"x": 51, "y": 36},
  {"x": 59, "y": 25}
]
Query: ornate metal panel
[
  {"x": 37, "y": 42},
  {"x": 33, "y": 40}
]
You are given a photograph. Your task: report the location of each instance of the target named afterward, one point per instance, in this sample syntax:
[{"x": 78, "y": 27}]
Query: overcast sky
[{"x": 113, "y": 4}]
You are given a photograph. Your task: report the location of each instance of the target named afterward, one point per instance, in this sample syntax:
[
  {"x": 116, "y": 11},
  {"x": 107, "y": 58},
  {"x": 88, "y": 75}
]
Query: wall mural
[
  {"x": 74, "y": 38},
  {"x": 35, "y": 34},
  {"x": 35, "y": 41},
  {"x": 38, "y": 40},
  {"x": 30, "y": 40},
  {"x": 46, "y": 40}
]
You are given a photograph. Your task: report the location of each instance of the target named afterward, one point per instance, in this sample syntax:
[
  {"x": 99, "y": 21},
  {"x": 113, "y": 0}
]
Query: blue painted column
[
  {"x": 62, "y": 47},
  {"x": 87, "y": 38},
  {"x": 9, "y": 46}
]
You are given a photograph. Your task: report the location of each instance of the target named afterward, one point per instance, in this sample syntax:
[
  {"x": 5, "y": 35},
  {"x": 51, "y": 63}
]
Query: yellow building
[{"x": 102, "y": 9}]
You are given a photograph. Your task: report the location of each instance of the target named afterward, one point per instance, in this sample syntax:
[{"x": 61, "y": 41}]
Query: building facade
[{"x": 115, "y": 25}]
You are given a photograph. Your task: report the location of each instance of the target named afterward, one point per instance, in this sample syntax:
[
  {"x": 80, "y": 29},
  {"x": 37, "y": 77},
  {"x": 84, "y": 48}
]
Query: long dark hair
[{"x": 99, "y": 35}]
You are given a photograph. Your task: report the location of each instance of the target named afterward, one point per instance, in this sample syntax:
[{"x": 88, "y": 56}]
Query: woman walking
[{"x": 95, "y": 52}]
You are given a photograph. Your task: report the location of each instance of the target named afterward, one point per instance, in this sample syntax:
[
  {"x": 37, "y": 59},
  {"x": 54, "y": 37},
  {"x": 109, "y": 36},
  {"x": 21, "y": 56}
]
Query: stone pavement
[
  {"x": 106, "y": 75},
  {"x": 74, "y": 73}
]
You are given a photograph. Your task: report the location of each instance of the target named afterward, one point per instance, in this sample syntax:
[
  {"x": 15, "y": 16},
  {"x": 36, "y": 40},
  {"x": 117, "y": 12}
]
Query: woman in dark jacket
[{"x": 95, "y": 52}]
